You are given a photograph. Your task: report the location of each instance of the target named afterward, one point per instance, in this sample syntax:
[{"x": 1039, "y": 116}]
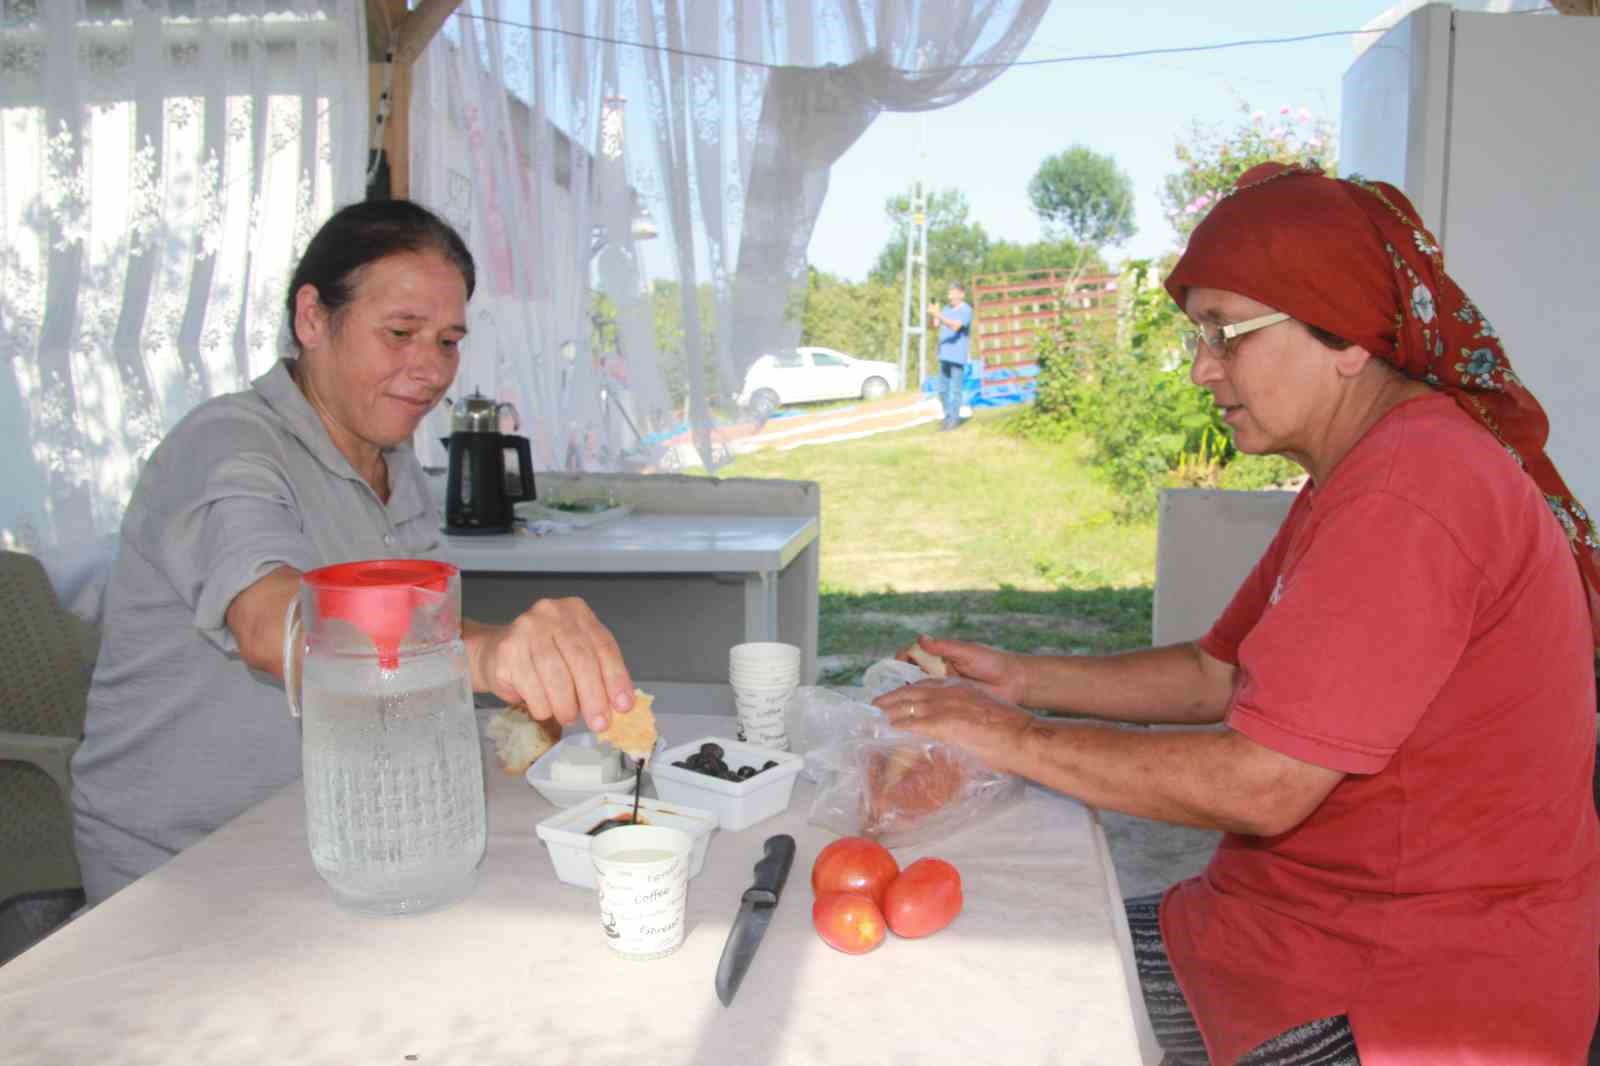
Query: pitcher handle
[{"x": 291, "y": 629}]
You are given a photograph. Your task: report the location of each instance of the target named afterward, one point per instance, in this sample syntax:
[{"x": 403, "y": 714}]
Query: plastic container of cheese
[{"x": 542, "y": 775}]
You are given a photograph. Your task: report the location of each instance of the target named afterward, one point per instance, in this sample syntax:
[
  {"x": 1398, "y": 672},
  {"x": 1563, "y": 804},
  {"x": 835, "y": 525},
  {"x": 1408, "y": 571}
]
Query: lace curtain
[
  {"x": 162, "y": 165},
  {"x": 641, "y": 215}
]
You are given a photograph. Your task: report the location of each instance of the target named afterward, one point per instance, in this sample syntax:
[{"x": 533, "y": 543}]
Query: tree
[
  {"x": 1007, "y": 257},
  {"x": 956, "y": 247},
  {"x": 666, "y": 306},
  {"x": 1081, "y": 194},
  {"x": 863, "y": 320},
  {"x": 1213, "y": 159}
]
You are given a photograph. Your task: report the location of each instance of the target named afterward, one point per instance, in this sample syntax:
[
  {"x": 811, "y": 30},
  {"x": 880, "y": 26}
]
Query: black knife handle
[{"x": 772, "y": 871}]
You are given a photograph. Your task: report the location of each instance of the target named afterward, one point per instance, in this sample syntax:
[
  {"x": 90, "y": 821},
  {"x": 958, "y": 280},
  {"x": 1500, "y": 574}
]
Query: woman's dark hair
[
  {"x": 364, "y": 233},
  {"x": 1332, "y": 340}
]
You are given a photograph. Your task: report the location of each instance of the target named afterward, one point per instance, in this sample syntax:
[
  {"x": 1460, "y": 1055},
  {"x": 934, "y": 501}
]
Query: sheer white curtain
[
  {"x": 560, "y": 135},
  {"x": 640, "y": 214},
  {"x": 162, "y": 164}
]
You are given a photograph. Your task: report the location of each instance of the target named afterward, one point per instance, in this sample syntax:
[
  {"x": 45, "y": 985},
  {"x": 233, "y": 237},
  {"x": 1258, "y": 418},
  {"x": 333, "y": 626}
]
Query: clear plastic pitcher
[{"x": 389, "y": 742}]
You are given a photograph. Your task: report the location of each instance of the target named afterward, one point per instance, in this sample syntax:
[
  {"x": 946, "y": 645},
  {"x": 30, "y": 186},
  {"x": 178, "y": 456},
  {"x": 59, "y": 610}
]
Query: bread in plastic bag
[
  {"x": 897, "y": 787},
  {"x": 818, "y": 717}
]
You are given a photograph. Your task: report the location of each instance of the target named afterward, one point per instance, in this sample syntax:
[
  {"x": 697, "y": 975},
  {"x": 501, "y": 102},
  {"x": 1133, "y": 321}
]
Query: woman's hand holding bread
[{"x": 556, "y": 658}]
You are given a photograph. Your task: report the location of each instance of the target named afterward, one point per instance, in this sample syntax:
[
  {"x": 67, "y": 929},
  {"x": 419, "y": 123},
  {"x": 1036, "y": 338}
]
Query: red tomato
[
  {"x": 847, "y": 922},
  {"x": 924, "y": 899},
  {"x": 854, "y": 864}
]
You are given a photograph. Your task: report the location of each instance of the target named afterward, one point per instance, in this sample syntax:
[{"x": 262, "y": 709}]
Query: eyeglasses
[{"x": 1219, "y": 339}]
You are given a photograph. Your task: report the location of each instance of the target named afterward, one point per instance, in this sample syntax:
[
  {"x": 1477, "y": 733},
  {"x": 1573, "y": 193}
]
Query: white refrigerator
[{"x": 1491, "y": 124}]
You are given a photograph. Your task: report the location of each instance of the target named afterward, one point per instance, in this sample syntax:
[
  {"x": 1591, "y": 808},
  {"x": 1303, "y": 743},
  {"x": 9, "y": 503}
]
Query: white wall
[
  {"x": 1522, "y": 212},
  {"x": 1207, "y": 542},
  {"x": 1488, "y": 122}
]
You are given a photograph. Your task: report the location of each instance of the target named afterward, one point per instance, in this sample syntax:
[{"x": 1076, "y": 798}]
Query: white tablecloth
[{"x": 235, "y": 953}]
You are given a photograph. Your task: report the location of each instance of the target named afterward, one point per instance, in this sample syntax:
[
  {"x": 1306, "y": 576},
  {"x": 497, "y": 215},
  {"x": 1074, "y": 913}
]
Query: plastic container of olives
[{"x": 697, "y": 774}]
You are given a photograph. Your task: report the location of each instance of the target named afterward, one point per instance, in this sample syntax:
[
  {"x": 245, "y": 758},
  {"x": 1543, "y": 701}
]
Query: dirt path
[{"x": 865, "y": 419}]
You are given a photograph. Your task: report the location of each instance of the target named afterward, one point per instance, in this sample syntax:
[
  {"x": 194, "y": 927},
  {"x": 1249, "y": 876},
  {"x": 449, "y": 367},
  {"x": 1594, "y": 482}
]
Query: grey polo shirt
[{"x": 181, "y": 736}]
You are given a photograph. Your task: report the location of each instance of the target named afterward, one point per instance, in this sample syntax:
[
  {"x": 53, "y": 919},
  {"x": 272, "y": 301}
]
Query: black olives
[{"x": 711, "y": 761}]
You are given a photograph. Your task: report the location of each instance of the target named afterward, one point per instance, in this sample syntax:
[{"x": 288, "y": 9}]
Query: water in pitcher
[{"x": 393, "y": 779}]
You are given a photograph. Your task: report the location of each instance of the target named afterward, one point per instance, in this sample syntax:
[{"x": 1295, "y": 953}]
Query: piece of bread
[
  {"x": 929, "y": 663},
  {"x": 634, "y": 730},
  {"x": 908, "y": 783},
  {"x": 519, "y": 738}
]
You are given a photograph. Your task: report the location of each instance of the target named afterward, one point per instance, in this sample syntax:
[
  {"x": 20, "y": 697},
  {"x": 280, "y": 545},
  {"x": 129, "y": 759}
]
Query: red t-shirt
[{"x": 1419, "y": 624}]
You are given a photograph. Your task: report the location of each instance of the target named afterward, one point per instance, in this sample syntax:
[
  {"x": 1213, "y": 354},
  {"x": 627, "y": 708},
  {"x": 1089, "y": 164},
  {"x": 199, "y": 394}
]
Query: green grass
[{"x": 979, "y": 534}]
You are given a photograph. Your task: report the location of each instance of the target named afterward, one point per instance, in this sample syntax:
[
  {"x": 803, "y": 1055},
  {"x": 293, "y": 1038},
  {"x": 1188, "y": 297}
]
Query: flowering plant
[{"x": 1212, "y": 159}]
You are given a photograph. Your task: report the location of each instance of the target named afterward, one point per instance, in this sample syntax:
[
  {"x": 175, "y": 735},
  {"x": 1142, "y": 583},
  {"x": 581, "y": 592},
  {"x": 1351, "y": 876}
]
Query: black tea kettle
[{"x": 477, "y": 496}]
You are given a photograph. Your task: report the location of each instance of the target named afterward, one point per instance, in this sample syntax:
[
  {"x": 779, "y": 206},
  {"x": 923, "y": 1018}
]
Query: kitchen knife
[{"x": 755, "y": 913}]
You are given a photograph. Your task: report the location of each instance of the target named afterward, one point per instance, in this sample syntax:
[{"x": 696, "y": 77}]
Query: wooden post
[{"x": 411, "y": 32}]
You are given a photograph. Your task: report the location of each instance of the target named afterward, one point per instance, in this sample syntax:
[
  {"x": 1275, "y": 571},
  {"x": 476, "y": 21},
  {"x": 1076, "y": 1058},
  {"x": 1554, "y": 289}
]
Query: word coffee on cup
[
  {"x": 642, "y": 880},
  {"x": 764, "y": 675}
]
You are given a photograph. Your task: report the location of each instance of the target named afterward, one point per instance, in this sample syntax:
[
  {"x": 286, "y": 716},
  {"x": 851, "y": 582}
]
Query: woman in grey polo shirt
[{"x": 311, "y": 465}]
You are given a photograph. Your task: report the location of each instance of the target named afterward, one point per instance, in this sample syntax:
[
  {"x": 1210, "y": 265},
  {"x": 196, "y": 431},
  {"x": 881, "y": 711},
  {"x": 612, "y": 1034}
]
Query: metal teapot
[
  {"x": 478, "y": 498},
  {"x": 479, "y": 414}
]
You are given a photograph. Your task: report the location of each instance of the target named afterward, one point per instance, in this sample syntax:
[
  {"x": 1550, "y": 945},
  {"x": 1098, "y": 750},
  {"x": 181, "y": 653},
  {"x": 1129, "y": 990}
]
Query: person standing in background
[{"x": 955, "y": 324}]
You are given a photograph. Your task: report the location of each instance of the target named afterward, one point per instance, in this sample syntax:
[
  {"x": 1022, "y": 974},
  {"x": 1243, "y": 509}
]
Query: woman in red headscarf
[{"x": 1410, "y": 871}]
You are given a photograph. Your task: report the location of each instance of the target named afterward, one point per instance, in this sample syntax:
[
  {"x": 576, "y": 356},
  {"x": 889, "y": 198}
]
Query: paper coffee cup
[
  {"x": 762, "y": 716},
  {"x": 764, "y": 658},
  {"x": 764, "y": 651},
  {"x": 642, "y": 880}
]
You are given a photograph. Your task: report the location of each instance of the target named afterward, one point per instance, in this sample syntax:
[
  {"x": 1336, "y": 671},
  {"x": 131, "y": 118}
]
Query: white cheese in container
[{"x": 586, "y": 766}]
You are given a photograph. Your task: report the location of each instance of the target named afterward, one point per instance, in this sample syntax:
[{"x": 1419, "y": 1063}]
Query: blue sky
[{"x": 1134, "y": 110}]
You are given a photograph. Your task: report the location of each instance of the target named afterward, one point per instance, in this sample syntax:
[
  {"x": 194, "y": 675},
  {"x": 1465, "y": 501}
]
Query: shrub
[
  {"x": 1125, "y": 386},
  {"x": 1061, "y": 389},
  {"x": 1247, "y": 472},
  {"x": 1211, "y": 159}
]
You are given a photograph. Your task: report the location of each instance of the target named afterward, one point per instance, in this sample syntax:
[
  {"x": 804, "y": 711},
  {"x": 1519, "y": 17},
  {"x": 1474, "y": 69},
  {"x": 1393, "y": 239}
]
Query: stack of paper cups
[{"x": 764, "y": 677}]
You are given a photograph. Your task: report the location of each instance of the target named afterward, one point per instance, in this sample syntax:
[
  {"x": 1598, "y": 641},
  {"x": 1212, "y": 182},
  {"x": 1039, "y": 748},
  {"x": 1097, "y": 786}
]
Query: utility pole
[
  {"x": 915, "y": 320},
  {"x": 922, "y": 278}
]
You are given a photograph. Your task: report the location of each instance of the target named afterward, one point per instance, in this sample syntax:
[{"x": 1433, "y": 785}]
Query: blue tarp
[{"x": 999, "y": 386}]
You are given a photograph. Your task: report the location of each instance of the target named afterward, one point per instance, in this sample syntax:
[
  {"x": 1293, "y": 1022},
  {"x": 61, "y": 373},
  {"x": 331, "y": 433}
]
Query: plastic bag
[
  {"x": 897, "y": 787},
  {"x": 819, "y": 717},
  {"x": 886, "y": 675}
]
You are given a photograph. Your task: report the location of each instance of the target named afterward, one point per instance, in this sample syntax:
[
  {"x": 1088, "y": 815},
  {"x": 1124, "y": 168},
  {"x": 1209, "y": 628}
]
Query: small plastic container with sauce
[{"x": 566, "y": 833}]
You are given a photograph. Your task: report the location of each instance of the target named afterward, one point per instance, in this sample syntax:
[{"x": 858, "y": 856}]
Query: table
[
  {"x": 755, "y": 547},
  {"x": 235, "y": 953}
]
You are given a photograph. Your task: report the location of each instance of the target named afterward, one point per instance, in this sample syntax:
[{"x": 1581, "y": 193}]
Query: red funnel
[{"x": 379, "y": 597}]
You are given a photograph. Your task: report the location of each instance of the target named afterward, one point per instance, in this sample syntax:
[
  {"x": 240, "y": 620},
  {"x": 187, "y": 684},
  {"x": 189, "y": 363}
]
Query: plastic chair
[{"x": 45, "y": 666}]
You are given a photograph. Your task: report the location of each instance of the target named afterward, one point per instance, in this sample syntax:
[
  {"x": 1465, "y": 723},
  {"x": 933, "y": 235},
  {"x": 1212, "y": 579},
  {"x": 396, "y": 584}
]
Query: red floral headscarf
[{"x": 1352, "y": 257}]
